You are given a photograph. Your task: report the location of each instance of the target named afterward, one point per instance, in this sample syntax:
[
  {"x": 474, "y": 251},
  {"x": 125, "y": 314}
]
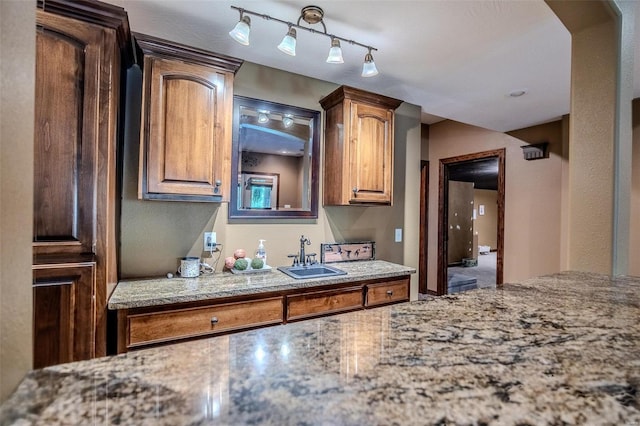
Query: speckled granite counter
[
  {"x": 563, "y": 349},
  {"x": 162, "y": 291}
]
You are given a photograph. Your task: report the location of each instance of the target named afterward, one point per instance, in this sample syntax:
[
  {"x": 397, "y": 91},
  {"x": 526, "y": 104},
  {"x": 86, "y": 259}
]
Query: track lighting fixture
[{"x": 311, "y": 15}]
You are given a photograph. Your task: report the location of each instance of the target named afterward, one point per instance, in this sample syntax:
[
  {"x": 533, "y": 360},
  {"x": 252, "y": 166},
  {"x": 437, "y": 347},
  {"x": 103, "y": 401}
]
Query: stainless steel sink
[{"x": 311, "y": 271}]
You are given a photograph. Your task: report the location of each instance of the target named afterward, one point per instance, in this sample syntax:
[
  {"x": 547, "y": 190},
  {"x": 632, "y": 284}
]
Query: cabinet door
[
  {"x": 186, "y": 131},
  {"x": 371, "y": 154},
  {"x": 63, "y": 314},
  {"x": 66, "y": 134}
]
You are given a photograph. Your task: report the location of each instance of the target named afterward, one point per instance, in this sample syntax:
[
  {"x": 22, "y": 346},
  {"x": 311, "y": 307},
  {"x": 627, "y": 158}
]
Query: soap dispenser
[{"x": 261, "y": 253}]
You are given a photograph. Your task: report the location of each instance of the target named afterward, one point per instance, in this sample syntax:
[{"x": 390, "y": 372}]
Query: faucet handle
[
  {"x": 295, "y": 259},
  {"x": 311, "y": 258}
]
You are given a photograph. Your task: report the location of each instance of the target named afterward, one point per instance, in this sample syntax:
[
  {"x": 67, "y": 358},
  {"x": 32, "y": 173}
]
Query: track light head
[
  {"x": 288, "y": 43},
  {"x": 240, "y": 32},
  {"x": 335, "y": 52},
  {"x": 369, "y": 67}
]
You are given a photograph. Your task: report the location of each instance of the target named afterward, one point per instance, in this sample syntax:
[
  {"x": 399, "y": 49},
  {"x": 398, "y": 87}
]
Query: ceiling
[{"x": 456, "y": 59}]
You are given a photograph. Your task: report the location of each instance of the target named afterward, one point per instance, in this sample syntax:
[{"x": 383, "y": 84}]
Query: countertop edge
[{"x": 287, "y": 284}]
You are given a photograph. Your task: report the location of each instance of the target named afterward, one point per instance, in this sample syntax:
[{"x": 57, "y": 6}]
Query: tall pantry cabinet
[{"x": 80, "y": 48}]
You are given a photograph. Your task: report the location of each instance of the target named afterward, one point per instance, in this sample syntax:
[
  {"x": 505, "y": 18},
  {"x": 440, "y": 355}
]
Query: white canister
[{"x": 189, "y": 267}]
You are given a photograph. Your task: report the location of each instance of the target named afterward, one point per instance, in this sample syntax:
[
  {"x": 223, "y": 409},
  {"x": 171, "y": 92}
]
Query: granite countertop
[
  {"x": 559, "y": 349},
  {"x": 162, "y": 291}
]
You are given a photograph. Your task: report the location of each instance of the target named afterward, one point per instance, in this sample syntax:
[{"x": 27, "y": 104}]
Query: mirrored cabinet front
[{"x": 275, "y": 160}]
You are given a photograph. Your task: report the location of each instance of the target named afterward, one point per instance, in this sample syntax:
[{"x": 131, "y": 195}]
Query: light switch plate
[
  {"x": 209, "y": 241},
  {"x": 398, "y": 235}
]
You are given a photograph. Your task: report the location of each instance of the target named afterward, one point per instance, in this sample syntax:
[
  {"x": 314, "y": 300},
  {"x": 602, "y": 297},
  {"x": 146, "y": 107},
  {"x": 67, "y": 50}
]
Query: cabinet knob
[
  {"x": 389, "y": 292},
  {"x": 218, "y": 183},
  {"x": 214, "y": 320},
  {"x": 355, "y": 189}
]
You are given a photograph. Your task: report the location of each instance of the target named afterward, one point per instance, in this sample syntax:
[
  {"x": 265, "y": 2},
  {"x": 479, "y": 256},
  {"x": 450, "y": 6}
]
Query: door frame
[
  {"x": 424, "y": 230},
  {"x": 442, "y": 212}
]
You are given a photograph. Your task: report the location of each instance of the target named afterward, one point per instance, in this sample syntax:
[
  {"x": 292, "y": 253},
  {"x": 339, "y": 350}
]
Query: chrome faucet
[
  {"x": 303, "y": 241},
  {"x": 302, "y": 258}
]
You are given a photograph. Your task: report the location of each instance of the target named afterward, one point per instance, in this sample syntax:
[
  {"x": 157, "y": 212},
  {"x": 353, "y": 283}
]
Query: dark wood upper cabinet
[
  {"x": 187, "y": 107},
  {"x": 82, "y": 46},
  {"x": 358, "y": 149},
  {"x": 66, "y": 134}
]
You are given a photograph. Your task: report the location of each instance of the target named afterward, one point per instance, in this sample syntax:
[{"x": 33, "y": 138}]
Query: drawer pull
[
  {"x": 214, "y": 320},
  {"x": 389, "y": 292}
]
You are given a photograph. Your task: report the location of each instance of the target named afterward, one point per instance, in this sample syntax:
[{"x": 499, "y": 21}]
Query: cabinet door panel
[
  {"x": 67, "y": 60},
  {"x": 54, "y": 307},
  {"x": 187, "y": 149},
  {"x": 63, "y": 314},
  {"x": 189, "y": 130},
  {"x": 371, "y": 153}
]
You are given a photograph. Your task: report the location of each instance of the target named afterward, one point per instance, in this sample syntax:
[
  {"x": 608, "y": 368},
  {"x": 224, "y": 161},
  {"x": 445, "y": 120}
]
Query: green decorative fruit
[
  {"x": 241, "y": 264},
  {"x": 257, "y": 263}
]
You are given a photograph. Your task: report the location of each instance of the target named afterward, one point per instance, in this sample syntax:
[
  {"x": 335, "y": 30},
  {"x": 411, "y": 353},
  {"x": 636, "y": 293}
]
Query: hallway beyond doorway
[{"x": 484, "y": 273}]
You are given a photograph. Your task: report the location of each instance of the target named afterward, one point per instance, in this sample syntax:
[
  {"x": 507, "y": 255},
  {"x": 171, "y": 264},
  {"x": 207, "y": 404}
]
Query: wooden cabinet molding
[
  {"x": 98, "y": 13},
  {"x": 359, "y": 147},
  {"x": 187, "y": 109},
  {"x": 147, "y": 326}
]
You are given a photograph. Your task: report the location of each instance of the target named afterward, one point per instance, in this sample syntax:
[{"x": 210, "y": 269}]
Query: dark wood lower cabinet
[
  {"x": 151, "y": 325},
  {"x": 63, "y": 310}
]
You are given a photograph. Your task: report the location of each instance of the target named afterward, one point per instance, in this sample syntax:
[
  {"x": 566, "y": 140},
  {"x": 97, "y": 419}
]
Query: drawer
[
  {"x": 323, "y": 302},
  {"x": 387, "y": 292},
  {"x": 182, "y": 323}
]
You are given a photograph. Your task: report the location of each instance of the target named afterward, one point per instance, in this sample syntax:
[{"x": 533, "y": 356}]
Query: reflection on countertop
[
  {"x": 560, "y": 349},
  {"x": 162, "y": 291}
]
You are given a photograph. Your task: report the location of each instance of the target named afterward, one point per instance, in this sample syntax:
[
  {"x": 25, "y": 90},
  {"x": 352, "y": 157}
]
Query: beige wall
[
  {"x": 634, "y": 228},
  {"x": 532, "y": 194},
  {"x": 155, "y": 233},
  {"x": 17, "y": 69},
  {"x": 600, "y": 133},
  {"x": 486, "y": 226},
  {"x": 591, "y": 149}
]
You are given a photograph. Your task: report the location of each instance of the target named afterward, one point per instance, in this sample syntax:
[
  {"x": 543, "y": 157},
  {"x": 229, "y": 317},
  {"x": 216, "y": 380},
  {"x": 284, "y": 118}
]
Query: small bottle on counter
[{"x": 261, "y": 252}]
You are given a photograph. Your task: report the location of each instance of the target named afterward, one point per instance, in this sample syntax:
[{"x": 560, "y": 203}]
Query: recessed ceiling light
[{"x": 517, "y": 93}]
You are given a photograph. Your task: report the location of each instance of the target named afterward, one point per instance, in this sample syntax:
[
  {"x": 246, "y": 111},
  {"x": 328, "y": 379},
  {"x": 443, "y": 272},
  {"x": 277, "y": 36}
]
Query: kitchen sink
[{"x": 311, "y": 271}]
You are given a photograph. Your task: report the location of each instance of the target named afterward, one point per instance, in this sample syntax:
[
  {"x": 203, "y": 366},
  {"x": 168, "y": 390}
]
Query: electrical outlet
[
  {"x": 209, "y": 242},
  {"x": 398, "y": 235}
]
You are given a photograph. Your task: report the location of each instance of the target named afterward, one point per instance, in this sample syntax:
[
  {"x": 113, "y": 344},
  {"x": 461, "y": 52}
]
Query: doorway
[{"x": 461, "y": 248}]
